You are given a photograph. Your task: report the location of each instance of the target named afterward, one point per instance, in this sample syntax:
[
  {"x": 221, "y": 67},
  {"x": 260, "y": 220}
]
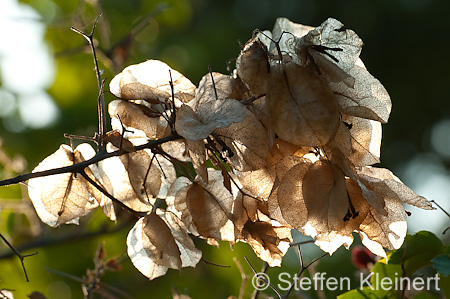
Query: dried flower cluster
[{"x": 286, "y": 142}]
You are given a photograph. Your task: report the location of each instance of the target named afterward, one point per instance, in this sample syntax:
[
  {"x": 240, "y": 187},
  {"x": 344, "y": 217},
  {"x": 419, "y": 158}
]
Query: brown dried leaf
[
  {"x": 117, "y": 139},
  {"x": 197, "y": 153},
  {"x": 373, "y": 246},
  {"x": 325, "y": 196},
  {"x": 282, "y": 165},
  {"x": 358, "y": 139},
  {"x": 331, "y": 241},
  {"x": 149, "y": 80},
  {"x": 253, "y": 66},
  {"x": 206, "y": 112},
  {"x": 258, "y": 183},
  {"x": 290, "y": 194},
  {"x": 248, "y": 142},
  {"x": 189, "y": 254},
  {"x": 358, "y": 208},
  {"x": 269, "y": 240},
  {"x": 330, "y": 35},
  {"x": 62, "y": 198},
  {"x": 177, "y": 204},
  {"x": 383, "y": 181},
  {"x": 284, "y": 31},
  {"x": 123, "y": 178},
  {"x": 177, "y": 149},
  {"x": 138, "y": 91},
  {"x": 389, "y": 231},
  {"x": 367, "y": 98},
  {"x": 302, "y": 108},
  {"x": 134, "y": 119},
  {"x": 152, "y": 247},
  {"x": 211, "y": 207},
  {"x": 373, "y": 198}
]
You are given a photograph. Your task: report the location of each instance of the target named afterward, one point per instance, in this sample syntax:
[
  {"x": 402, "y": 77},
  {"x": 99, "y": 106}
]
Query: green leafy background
[{"x": 406, "y": 48}]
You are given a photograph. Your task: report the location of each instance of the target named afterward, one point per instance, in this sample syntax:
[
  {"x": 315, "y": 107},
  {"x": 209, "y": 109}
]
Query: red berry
[{"x": 362, "y": 257}]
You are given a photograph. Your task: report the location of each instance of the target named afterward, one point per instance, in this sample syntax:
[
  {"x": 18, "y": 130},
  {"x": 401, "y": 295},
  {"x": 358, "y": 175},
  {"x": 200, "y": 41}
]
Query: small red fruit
[{"x": 362, "y": 257}]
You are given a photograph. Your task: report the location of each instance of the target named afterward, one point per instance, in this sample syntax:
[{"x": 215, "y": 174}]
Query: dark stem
[
  {"x": 72, "y": 237},
  {"x": 261, "y": 277},
  {"x": 101, "y": 98},
  {"x": 212, "y": 80},
  {"x": 118, "y": 202},
  {"x": 446, "y": 213},
  {"x": 79, "y": 167},
  {"x": 173, "y": 116},
  {"x": 214, "y": 264},
  {"x": 302, "y": 269},
  {"x": 19, "y": 255}
]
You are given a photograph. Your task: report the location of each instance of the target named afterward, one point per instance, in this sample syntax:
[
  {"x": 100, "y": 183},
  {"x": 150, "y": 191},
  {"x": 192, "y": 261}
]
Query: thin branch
[
  {"x": 115, "y": 200},
  {"x": 101, "y": 98},
  {"x": 212, "y": 80},
  {"x": 75, "y": 236},
  {"x": 316, "y": 259},
  {"x": 214, "y": 264},
  {"x": 80, "y": 280},
  {"x": 303, "y": 268},
  {"x": 446, "y": 213},
  {"x": 301, "y": 243},
  {"x": 124, "y": 130},
  {"x": 260, "y": 277},
  {"x": 19, "y": 255},
  {"x": 78, "y": 168},
  {"x": 244, "y": 277},
  {"x": 173, "y": 117}
]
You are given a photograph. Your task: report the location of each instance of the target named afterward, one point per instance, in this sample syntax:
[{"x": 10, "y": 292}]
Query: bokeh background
[{"x": 48, "y": 88}]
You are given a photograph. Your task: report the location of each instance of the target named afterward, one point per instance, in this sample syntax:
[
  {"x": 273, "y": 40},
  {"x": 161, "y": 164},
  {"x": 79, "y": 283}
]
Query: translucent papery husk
[{"x": 63, "y": 198}]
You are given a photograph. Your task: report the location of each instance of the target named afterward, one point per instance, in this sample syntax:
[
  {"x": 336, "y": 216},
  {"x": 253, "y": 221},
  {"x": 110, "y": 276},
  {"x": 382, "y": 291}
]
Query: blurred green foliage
[
  {"x": 412, "y": 261},
  {"x": 406, "y": 49}
]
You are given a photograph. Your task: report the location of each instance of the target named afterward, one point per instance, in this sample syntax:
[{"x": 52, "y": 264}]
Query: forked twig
[
  {"x": 19, "y": 255},
  {"x": 303, "y": 267},
  {"x": 260, "y": 277}
]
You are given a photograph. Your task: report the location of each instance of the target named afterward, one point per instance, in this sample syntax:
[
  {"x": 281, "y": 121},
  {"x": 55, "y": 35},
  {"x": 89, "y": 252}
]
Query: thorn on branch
[
  {"x": 173, "y": 116},
  {"x": 212, "y": 80},
  {"x": 124, "y": 130},
  {"x": 72, "y": 137}
]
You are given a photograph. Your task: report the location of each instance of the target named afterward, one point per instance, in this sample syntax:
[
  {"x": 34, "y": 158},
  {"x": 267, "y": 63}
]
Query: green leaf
[
  {"x": 385, "y": 276},
  {"x": 420, "y": 249},
  {"x": 367, "y": 292},
  {"x": 442, "y": 264},
  {"x": 444, "y": 285},
  {"x": 446, "y": 250},
  {"x": 382, "y": 283}
]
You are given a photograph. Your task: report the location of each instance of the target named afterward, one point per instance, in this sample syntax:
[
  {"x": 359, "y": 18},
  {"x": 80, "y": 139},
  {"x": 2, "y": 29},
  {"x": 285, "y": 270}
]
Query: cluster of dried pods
[{"x": 285, "y": 142}]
